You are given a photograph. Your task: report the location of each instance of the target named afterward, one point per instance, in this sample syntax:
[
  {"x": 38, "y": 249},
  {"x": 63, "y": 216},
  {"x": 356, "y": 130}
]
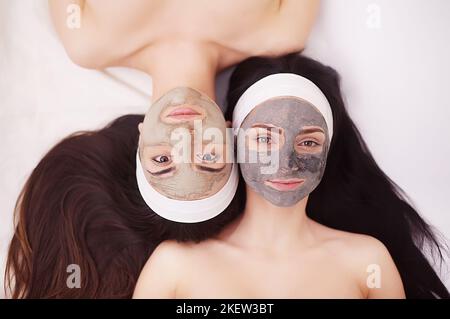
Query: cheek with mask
[
  {"x": 183, "y": 116},
  {"x": 293, "y": 135}
]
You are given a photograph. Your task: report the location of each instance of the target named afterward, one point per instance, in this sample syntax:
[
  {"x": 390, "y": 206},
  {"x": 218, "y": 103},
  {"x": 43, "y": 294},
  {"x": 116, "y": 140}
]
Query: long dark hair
[
  {"x": 81, "y": 206},
  {"x": 354, "y": 194}
]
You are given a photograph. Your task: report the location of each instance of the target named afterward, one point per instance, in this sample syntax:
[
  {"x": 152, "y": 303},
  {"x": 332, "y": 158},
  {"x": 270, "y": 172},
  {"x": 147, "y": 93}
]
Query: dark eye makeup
[{"x": 159, "y": 173}]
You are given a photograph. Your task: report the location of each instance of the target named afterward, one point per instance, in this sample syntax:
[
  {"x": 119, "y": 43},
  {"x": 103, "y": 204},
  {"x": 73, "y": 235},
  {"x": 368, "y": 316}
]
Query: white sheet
[{"x": 395, "y": 80}]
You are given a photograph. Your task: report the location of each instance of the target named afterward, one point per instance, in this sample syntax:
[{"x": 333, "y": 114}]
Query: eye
[
  {"x": 264, "y": 139},
  {"x": 207, "y": 158},
  {"x": 308, "y": 143},
  {"x": 162, "y": 159}
]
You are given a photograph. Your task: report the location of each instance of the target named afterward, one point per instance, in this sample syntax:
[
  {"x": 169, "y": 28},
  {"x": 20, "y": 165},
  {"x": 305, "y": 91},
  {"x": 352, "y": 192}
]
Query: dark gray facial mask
[{"x": 292, "y": 115}]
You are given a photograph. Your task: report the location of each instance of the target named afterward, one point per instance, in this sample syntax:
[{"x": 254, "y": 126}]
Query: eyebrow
[
  {"x": 210, "y": 169},
  {"x": 312, "y": 130},
  {"x": 164, "y": 171},
  {"x": 268, "y": 127},
  {"x": 156, "y": 145}
]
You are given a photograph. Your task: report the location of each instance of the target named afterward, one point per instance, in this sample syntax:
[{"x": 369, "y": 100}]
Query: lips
[
  {"x": 285, "y": 185},
  {"x": 183, "y": 113}
]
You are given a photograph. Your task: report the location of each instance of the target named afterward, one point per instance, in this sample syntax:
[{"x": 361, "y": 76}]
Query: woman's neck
[
  {"x": 270, "y": 228},
  {"x": 174, "y": 64}
]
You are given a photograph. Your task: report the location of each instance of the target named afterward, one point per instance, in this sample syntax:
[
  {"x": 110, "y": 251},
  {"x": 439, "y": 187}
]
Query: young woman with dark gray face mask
[{"x": 324, "y": 222}]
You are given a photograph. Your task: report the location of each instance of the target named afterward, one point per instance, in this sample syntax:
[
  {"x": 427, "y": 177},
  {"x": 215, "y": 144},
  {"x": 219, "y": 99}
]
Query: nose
[{"x": 287, "y": 162}]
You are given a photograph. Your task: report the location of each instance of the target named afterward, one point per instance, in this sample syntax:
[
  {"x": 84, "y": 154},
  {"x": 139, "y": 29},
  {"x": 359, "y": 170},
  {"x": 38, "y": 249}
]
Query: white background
[{"x": 393, "y": 56}]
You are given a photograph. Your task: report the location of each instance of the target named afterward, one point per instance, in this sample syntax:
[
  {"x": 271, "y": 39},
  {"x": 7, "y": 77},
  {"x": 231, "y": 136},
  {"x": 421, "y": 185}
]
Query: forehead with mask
[
  {"x": 293, "y": 135},
  {"x": 182, "y": 145}
]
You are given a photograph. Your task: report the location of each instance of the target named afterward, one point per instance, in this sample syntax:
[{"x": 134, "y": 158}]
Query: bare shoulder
[
  {"x": 355, "y": 249},
  {"x": 364, "y": 246},
  {"x": 83, "y": 38},
  {"x": 160, "y": 276},
  {"x": 295, "y": 21},
  {"x": 288, "y": 29},
  {"x": 169, "y": 254},
  {"x": 169, "y": 250},
  {"x": 367, "y": 258}
]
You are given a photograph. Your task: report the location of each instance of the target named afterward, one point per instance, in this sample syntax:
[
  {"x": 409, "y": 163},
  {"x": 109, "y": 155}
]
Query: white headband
[
  {"x": 278, "y": 85},
  {"x": 185, "y": 211}
]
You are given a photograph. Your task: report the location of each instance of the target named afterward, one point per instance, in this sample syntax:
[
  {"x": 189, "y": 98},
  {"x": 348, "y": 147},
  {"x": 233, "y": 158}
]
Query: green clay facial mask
[{"x": 184, "y": 116}]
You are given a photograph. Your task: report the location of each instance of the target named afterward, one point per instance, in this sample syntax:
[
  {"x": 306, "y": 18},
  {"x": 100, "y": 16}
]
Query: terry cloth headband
[
  {"x": 282, "y": 85},
  {"x": 184, "y": 211}
]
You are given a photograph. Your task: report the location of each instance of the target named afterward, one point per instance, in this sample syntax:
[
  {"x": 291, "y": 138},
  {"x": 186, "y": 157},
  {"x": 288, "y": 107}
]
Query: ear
[{"x": 140, "y": 127}]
